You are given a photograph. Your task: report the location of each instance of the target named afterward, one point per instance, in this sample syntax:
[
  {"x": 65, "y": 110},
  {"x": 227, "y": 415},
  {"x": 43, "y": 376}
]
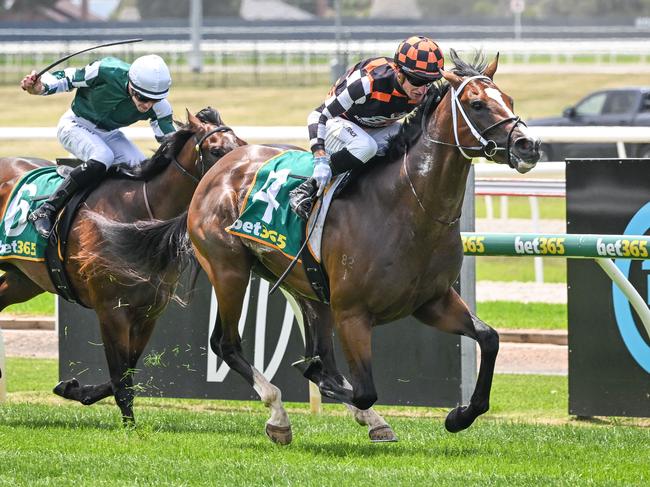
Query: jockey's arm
[
  {"x": 70, "y": 78},
  {"x": 163, "y": 123},
  {"x": 353, "y": 89}
]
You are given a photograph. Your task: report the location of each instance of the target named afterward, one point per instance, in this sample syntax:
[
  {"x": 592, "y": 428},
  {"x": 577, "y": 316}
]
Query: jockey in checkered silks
[{"x": 358, "y": 117}]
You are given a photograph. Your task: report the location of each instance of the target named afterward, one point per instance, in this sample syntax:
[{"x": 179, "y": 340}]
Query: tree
[{"x": 151, "y": 9}]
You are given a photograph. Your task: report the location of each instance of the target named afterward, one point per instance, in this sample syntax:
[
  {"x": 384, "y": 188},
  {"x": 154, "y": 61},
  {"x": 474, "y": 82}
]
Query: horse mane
[
  {"x": 411, "y": 128},
  {"x": 170, "y": 146}
]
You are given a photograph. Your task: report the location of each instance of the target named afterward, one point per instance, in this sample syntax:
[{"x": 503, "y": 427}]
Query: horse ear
[
  {"x": 492, "y": 67},
  {"x": 452, "y": 78},
  {"x": 191, "y": 119}
]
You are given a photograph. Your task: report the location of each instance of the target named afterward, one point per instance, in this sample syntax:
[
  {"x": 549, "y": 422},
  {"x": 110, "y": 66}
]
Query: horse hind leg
[
  {"x": 278, "y": 427},
  {"x": 225, "y": 342},
  {"x": 451, "y": 315}
]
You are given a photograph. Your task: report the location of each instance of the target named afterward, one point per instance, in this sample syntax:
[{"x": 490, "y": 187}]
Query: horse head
[
  {"x": 482, "y": 113},
  {"x": 213, "y": 139}
]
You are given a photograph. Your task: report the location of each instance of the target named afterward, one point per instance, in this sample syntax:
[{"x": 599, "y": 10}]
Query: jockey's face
[
  {"x": 142, "y": 103},
  {"x": 415, "y": 93}
]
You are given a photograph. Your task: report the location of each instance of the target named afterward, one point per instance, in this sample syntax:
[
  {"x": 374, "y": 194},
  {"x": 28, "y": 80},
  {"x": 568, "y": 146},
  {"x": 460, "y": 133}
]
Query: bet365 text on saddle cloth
[{"x": 266, "y": 216}]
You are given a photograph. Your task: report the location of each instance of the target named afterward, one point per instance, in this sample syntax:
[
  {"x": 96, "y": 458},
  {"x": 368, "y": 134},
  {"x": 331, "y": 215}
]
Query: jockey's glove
[{"x": 322, "y": 172}]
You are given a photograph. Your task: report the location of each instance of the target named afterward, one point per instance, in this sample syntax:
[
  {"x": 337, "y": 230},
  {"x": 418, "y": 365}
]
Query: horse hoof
[
  {"x": 279, "y": 434},
  {"x": 456, "y": 421},
  {"x": 382, "y": 434},
  {"x": 62, "y": 388}
]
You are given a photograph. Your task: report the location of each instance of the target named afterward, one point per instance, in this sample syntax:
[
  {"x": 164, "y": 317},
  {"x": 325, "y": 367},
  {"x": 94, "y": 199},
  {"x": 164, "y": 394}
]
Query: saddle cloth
[
  {"x": 18, "y": 238},
  {"x": 265, "y": 216}
]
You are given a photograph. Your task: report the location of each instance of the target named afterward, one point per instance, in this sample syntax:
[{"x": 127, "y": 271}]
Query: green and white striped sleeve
[
  {"x": 70, "y": 78},
  {"x": 163, "y": 122}
]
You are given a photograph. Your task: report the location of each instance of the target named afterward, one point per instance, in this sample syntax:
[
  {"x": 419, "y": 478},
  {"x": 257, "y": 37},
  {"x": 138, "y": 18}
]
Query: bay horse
[
  {"x": 413, "y": 198},
  {"x": 164, "y": 188}
]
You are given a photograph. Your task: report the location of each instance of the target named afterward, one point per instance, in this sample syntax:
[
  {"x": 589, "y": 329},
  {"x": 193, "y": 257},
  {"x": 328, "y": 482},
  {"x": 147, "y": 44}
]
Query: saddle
[{"x": 58, "y": 240}]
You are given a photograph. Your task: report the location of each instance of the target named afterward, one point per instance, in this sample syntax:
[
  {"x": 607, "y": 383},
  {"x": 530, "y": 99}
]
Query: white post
[
  {"x": 633, "y": 296},
  {"x": 504, "y": 207},
  {"x": 620, "y": 148},
  {"x": 538, "y": 261},
  {"x": 489, "y": 207},
  {"x": 3, "y": 370},
  {"x": 196, "y": 25}
]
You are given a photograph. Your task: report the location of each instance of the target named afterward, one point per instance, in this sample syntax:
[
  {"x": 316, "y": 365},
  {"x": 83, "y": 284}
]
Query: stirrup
[{"x": 42, "y": 219}]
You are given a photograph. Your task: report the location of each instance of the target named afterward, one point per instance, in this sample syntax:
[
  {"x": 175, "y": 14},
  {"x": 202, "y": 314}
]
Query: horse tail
[{"x": 155, "y": 251}]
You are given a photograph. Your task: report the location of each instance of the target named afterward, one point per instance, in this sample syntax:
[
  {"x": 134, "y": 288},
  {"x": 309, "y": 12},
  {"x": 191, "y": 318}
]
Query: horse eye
[{"x": 476, "y": 105}]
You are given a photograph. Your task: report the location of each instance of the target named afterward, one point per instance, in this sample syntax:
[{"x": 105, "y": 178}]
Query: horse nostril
[{"x": 526, "y": 145}]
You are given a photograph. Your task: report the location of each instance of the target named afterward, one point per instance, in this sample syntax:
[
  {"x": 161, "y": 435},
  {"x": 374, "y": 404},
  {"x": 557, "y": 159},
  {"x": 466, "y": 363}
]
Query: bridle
[
  {"x": 200, "y": 160},
  {"x": 489, "y": 148}
]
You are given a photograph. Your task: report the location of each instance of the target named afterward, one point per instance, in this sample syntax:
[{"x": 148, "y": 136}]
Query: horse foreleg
[
  {"x": 325, "y": 373},
  {"x": 354, "y": 330},
  {"x": 16, "y": 287},
  {"x": 319, "y": 365},
  {"x": 450, "y": 314}
]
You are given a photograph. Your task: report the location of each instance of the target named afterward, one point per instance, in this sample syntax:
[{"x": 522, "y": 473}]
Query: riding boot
[
  {"x": 43, "y": 217},
  {"x": 302, "y": 198}
]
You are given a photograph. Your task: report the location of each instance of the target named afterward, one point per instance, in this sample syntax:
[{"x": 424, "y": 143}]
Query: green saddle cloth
[
  {"x": 266, "y": 216},
  {"x": 18, "y": 237}
]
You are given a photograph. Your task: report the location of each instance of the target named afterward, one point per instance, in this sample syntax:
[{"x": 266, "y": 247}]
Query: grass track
[{"x": 525, "y": 440}]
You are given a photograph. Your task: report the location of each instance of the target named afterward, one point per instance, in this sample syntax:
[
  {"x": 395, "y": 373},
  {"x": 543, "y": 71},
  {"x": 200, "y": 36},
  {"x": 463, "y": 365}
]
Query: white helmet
[{"x": 149, "y": 76}]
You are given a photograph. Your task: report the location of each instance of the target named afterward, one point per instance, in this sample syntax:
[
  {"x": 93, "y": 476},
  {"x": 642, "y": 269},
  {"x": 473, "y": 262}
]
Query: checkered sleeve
[
  {"x": 355, "y": 88},
  {"x": 70, "y": 78}
]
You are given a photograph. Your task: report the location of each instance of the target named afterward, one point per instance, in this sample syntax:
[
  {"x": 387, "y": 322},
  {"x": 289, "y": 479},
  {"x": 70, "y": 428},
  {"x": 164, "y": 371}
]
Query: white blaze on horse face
[{"x": 496, "y": 96}]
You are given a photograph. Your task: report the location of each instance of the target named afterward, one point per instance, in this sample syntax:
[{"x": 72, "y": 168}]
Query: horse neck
[
  {"x": 170, "y": 192},
  {"x": 438, "y": 172}
]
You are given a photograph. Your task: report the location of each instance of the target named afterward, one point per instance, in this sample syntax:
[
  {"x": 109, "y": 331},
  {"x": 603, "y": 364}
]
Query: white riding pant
[
  {"x": 86, "y": 141},
  {"x": 362, "y": 142}
]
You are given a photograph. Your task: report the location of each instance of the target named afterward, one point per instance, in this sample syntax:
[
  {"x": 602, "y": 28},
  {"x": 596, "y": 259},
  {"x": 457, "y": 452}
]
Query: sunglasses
[
  {"x": 142, "y": 98},
  {"x": 418, "y": 82}
]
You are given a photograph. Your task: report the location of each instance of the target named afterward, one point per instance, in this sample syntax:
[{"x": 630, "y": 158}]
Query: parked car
[{"x": 615, "y": 107}]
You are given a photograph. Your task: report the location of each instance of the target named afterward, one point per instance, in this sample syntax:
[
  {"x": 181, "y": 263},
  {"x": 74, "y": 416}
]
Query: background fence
[{"x": 304, "y": 63}]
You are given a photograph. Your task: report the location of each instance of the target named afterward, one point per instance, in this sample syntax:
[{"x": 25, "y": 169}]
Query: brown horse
[
  {"x": 164, "y": 190},
  {"x": 413, "y": 198}
]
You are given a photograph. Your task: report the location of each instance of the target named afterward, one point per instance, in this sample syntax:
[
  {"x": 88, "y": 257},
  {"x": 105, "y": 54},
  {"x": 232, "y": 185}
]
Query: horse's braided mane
[
  {"x": 171, "y": 145},
  {"x": 412, "y": 126}
]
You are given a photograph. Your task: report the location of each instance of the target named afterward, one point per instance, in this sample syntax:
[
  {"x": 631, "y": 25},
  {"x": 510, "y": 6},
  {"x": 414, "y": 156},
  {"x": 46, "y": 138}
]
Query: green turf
[
  {"x": 519, "y": 207},
  {"x": 526, "y": 439},
  {"x": 512, "y": 314},
  {"x": 43, "y": 304},
  {"x": 520, "y": 269}
]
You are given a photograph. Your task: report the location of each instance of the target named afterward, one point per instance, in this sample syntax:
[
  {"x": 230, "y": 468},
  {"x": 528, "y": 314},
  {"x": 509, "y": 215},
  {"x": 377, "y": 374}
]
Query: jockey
[
  {"x": 110, "y": 94},
  {"x": 358, "y": 117}
]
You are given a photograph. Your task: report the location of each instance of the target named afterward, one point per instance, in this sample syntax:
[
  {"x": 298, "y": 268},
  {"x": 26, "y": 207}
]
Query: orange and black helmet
[{"x": 420, "y": 59}]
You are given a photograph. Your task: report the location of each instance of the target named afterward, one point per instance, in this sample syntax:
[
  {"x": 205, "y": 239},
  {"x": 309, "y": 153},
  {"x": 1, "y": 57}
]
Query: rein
[
  {"x": 489, "y": 148},
  {"x": 200, "y": 160},
  {"x": 448, "y": 223}
]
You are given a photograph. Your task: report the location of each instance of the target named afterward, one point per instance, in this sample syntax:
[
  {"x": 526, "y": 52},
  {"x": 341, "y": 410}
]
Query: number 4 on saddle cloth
[{"x": 266, "y": 217}]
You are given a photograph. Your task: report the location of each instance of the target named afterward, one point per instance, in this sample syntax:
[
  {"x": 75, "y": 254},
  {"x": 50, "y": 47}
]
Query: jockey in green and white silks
[{"x": 110, "y": 94}]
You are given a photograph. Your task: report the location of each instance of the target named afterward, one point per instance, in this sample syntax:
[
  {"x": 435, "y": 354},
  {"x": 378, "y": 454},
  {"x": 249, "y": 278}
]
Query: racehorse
[
  {"x": 412, "y": 198},
  {"x": 163, "y": 189}
]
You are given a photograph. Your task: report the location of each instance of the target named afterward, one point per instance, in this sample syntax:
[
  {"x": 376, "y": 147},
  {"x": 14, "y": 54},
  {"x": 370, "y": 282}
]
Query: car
[{"x": 612, "y": 107}]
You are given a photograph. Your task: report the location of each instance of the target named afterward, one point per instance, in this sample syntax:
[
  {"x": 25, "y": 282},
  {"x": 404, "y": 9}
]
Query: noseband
[
  {"x": 488, "y": 147},
  {"x": 200, "y": 160}
]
